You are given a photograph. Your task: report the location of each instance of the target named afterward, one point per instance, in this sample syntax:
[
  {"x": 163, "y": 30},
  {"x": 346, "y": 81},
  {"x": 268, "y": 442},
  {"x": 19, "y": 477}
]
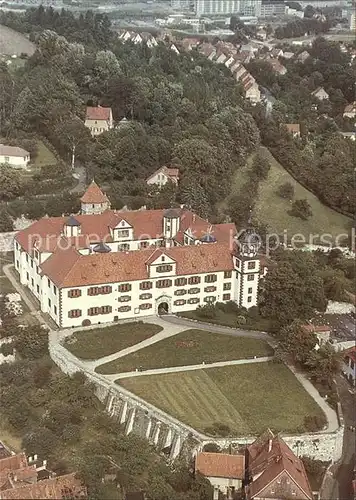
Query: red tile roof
[
  {"x": 94, "y": 194},
  {"x": 67, "y": 486},
  {"x": 13, "y": 151},
  {"x": 98, "y": 113},
  {"x": 317, "y": 328},
  {"x": 220, "y": 465},
  {"x": 269, "y": 456},
  {"x": 351, "y": 353},
  {"x": 13, "y": 462},
  {"x": 68, "y": 268},
  {"x": 169, "y": 172},
  {"x": 293, "y": 127}
]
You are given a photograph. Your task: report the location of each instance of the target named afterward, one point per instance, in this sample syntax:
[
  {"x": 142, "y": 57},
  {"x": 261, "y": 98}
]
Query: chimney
[
  {"x": 269, "y": 445},
  {"x": 35, "y": 457}
]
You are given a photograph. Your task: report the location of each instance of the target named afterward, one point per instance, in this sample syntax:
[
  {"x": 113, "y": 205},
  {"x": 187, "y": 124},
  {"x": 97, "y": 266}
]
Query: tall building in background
[
  {"x": 183, "y": 5},
  {"x": 217, "y": 7},
  {"x": 227, "y": 7}
]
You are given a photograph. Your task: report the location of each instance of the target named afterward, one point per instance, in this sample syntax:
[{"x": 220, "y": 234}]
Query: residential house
[
  {"x": 98, "y": 120},
  {"x": 274, "y": 471},
  {"x": 224, "y": 472},
  {"x": 349, "y": 135},
  {"x": 303, "y": 56},
  {"x": 322, "y": 332},
  {"x": 14, "y": 156},
  {"x": 276, "y": 53},
  {"x": 288, "y": 55},
  {"x": 320, "y": 94},
  {"x": 221, "y": 58},
  {"x": 124, "y": 122},
  {"x": 348, "y": 366},
  {"x": 294, "y": 129},
  {"x": 163, "y": 175},
  {"x": 105, "y": 265},
  {"x": 350, "y": 110},
  {"x": 174, "y": 48},
  {"x": 22, "y": 477},
  {"x": 277, "y": 66}
]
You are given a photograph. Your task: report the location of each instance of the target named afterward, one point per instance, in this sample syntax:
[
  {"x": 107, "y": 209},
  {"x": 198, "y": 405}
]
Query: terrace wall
[{"x": 165, "y": 431}]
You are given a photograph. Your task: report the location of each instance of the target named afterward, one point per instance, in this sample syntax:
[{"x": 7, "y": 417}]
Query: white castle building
[{"x": 104, "y": 265}]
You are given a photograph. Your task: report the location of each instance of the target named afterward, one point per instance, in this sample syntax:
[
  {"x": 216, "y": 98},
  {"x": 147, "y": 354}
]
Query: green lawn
[
  {"x": 272, "y": 210},
  {"x": 44, "y": 156},
  {"x": 6, "y": 286},
  {"x": 99, "y": 342},
  {"x": 189, "y": 348},
  {"x": 230, "y": 319},
  {"x": 246, "y": 398}
]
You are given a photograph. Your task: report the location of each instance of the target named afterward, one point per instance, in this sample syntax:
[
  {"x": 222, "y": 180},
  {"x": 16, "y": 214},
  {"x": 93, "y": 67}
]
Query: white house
[
  {"x": 163, "y": 175},
  {"x": 224, "y": 472},
  {"x": 14, "y": 156},
  {"x": 98, "y": 120},
  {"x": 104, "y": 265},
  {"x": 320, "y": 94},
  {"x": 348, "y": 366},
  {"x": 350, "y": 110}
]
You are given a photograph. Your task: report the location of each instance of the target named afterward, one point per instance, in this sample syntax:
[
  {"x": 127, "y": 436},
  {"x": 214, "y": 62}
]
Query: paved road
[
  {"x": 81, "y": 176},
  {"x": 187, "y": 368}
]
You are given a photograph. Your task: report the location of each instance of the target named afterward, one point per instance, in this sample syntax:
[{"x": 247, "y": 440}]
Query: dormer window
[{"x": 164, "y": 269}]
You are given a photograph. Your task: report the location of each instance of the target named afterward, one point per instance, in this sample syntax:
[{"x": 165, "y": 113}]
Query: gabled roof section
[
  {"x": 98, "y": 113},
  {"x": 13, "y": 151},
  {"x": 59, "y": 265},
  {"x": 271, "y": 456},
  {"x": 220, "y": 465},
  {"x": 94, "y": 194}
]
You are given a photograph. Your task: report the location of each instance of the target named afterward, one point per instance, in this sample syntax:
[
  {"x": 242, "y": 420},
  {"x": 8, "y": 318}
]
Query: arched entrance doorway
[{"x": 163, "y": 308}]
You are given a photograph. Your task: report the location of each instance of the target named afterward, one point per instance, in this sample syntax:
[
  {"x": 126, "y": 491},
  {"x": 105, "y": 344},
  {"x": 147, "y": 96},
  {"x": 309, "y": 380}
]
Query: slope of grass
[
  {"x": 189, "y": 348},
  {"x": 272, "y": 210},
  {"x": 44, "y": 156},
  {"x": 246, "y": 398},
  {"x": 99, "y": 342}
]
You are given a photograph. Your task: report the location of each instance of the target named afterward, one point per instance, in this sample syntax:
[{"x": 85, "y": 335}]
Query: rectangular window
[
  {"x": 106, "y": 309},
  {"x": 123, "y": 233},
  {"x": 32, "y": 263},
  {"x": 145, "y": 306},
  {"x": 180, "y": 292},
  {"x": 125, "y": 287},
  {"x": 193, "y": 300},
  {"x": 17, "y": 264},
  {"x": 32, "y": 282},
  {"x": 226, "y": 296},
  {"x": 249, "y": 290},
  {"x": 37, "y": 269},
  {"x": 74, "y": 313},
  {"x": 227, "y": 286},
  {"x": 143, "y": 244},
  {"x": 180, "y": 302},
  {"x": 75, "y": 293},
  {"x": 106, "y": 289},
  {"x": 209, "y": 299},
  {"x": 26, "y": 257},
  {"x": 55, "y": 310},
  {"x": 36, "y": 254},
  {"x": 145, "y": 296},
  {"x": 164, "y": 269},
  {"x": 227, "y": 274},
  {"x": 180, "y": 281},
  {"x": 123, "y": 309},
  {"x": 210, "y": 278},
  {"x": 27, "y": 276},
  {"x": 38, "y": 289},
  {"x": 94, "y": 290},
  {"x": 249, "y": 299},
  {"x": 194, "y": 290},
  {"x": 124, "y": 247},
  {"x": 194, "y": 280},
  {"x": 49, "y": 303},
  {"x": 93, "y": 311},
  {"x": 163, "y": 283},
  {"x": 48, "y": 283},
  {"x": 250, "y": 277},
  {"x": 124, "y": 298},
  {"x": 209, "y": 289},
  {"x": 54, "y": 290},
  {"x": 237, "y": 263},
  {"x": 251, "y": 265},
  {"x": 145, "y": 285}
]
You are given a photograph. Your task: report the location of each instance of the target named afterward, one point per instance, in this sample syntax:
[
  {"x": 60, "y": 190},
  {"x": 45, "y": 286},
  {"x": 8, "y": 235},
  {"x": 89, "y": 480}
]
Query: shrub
[
  {"x": 313, "y": 423},
  {"x": 241, "y": 320},
  {"x": 218, "y": 429},
  {"x": 86, "y": 322},
  {"x": 301, "y": 209},
  {"x": 286, "y": 191},
  {"x": 212, "y": 448},
  {"x": 6, "y": 349}
]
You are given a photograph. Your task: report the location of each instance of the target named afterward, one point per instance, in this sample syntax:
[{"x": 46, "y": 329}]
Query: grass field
[
  {"x": 246, "y": 398},
  {"x": 6, "y": 286},
  {"x": 230, "y": 319},
  {"x": 189, "y": 348},
  {"x": 44, "y": 156},
  {"x": 99, "y": 342},
  {"x": 272, "y": 210}
]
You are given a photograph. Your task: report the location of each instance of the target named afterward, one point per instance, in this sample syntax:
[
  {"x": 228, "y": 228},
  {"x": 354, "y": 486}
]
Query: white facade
[
  {"x": 224, "y": 485},
  {"x": 180, "y": 267},
  {"x": 14, "y": 160},
  {"x": 348, "y": 366}
]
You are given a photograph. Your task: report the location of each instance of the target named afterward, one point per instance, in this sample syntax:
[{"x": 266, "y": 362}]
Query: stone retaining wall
[{"x": 165, "y": 431}]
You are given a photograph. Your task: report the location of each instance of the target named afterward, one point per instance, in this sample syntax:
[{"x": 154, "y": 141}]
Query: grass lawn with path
[
  {"x": 99, "y": 342},
  {"x": 44, "y": 156},
  {"x": 246, "y": 398},
  {"x": 190, "y": 347}
]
